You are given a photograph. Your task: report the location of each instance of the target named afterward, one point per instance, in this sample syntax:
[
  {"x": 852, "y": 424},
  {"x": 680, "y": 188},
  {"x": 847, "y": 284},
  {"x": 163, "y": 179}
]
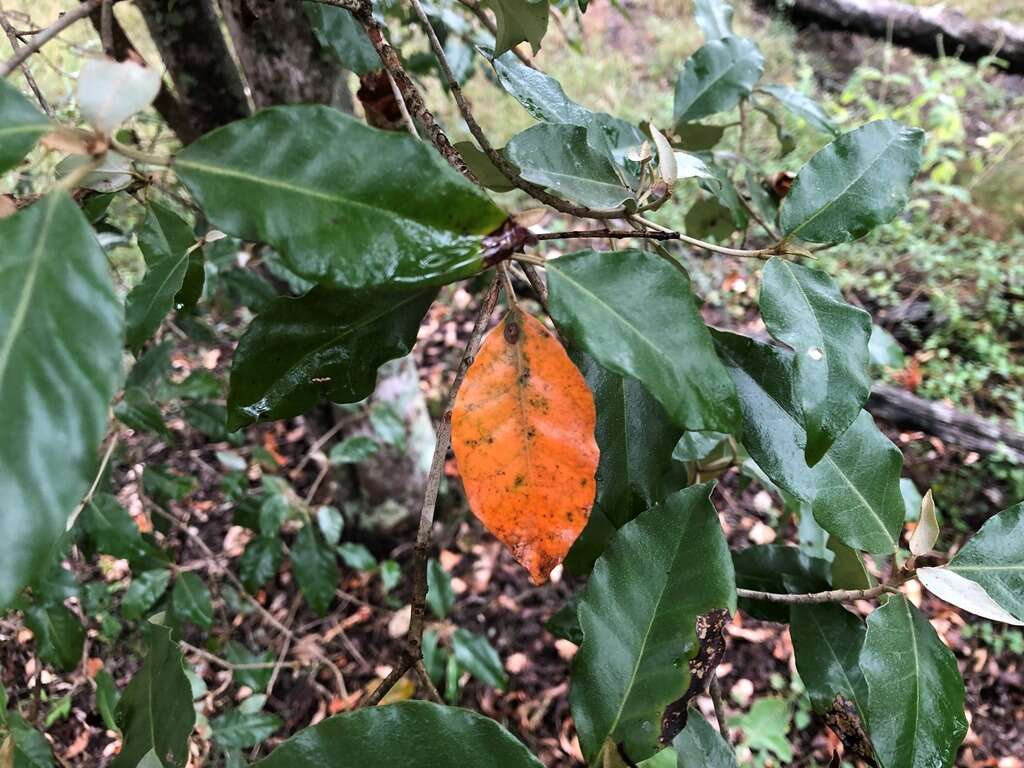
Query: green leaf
[
  {"x": 636, "y": 316},
  {"x": 765, "y": 727},
  {"x": 884, "y": 350},
  {"x": 638, "y": 621},
  {"x": 210, "y": 419},
  {"x": 329, "y": 343},
  {"x": 390, "y": 575},
  {"x": 854, "y": 490},
  {"x": 55, "y": 297},
  {"x": 827, "y": 641},
  {"x": 107, "y": 698},
  {"x": 29, "y": 748},
  {"x": 113, "y": 531},
  {"x": 411, "y": 734},
  {"x": 519, "y": 21},
  {"x": 316, "y": 569},
  {"x": 708, "y": 218},
  {"x": 804, "y": 309},
  {"x": 994, "y": 559},
  {"x": 478, "y": 657},
  {"x": 353, "y": 450},
  {"x": 440, "y": 597},
  {"x": 138, "y": 411},
  {"x": 915, "y": 694},
  {"x": 860, "y": 180},
  {"x": 155, "y": 712},
  {"x": 58, "y": 634},
  {"x": 164, "y": 241},
  {"x": 848, "y": 571},
  {"x": 636, "y": 438},
  {"x": 564, "y": 623},
  {"x": 331, "y": 524},
  {"x": 714, "y": 17},
  {"x": 337, "y": 30},
  {"x": 255, "y": 678},
  {"x": 699, "y": 745},
  {"x": 152, "y": 367},
  {"x": 803, "y": 107},
  {"x": 716, "y": 78},
  {"x": 357, "y": 556},
  {"x": 21, "y": 126},
  {"x": 143, "y": 592},
  {"x": 380, "y": 208},
  {"x": 541, "y": 95},
  {"x": 777, "y": 568},
  {"x": 388, "y": 425},
  {"x": 260, "y": 562},
  {"x": 695, "y": 137},
  {"x": 237, "y": 729},
  {"x": 191, "y": 600},
  {"x": 562, "y": 159},
  {"x": 486, "y": 172}
]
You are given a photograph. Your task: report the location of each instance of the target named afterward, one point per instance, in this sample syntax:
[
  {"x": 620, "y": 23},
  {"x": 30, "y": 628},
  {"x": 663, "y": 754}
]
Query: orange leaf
[{"x": 523, "y": 436}]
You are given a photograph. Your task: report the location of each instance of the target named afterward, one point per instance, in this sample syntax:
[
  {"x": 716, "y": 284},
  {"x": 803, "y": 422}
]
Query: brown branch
[
  {"x": 12, "y": 37},
  {"x": 715, "y": 692},
  {"x": 808, "y": 598},
  {"x": 46, "y": 35},
  {"x": 413, "y": 652},
  {"x": 662, "y": 234}
]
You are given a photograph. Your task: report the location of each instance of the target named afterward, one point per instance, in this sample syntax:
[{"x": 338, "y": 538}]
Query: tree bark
[
  {"x": 196, "y": 55},
  {"x": 932, "y": 31},
  {"x": 967, "y": 430},
  {"x": 281, "y": 59}
]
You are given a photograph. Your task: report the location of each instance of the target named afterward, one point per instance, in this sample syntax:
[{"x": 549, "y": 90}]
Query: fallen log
[
  {"x": 932, "y": 31},
  {"x": 967, "y": 430}
]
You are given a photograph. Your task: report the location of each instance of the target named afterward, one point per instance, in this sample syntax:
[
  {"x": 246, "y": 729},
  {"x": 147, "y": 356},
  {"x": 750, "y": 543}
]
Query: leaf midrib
[{"x": 703, "y": 92}]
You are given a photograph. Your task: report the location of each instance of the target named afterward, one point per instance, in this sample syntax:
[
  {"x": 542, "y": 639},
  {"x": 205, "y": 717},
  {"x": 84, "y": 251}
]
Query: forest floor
[{"x": 954, "y": 257}]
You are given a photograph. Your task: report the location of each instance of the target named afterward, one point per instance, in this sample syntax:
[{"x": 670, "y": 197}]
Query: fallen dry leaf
[{"x": 523, "y": 436}]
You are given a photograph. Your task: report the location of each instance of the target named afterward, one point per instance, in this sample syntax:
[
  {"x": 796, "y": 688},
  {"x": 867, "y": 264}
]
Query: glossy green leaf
[
  {"x": 716, "y": 78},
  {"x": 28, "y": 747},
  {"x": 143, "y": 592},
  {"x": 478, "y": 657},
  {"x": 562, "y": 159},
  {"x": 803, "y": 107},
  {"x": 804, "y": 309},
  {"x": 695, "y": 137},
  {"x": 316, "y": 569},
  {"x": 854, "y": 490},
  {"x": 337, "y": 30},
  {"x": 719, "y": 184},
  {"x": 541, "y": 95},
  {"x": 155, "y": 712},
  {"x": 699, "y": 745},
  {"x": 164, "y": 241},
  {"x": 636, "y": 438},
  {"x": 210, "y": 419},
  {"x": 138, "y": 411},
  {"x": 915, "y": 694},
  {"x": 59, "y": 635},
  {"x": 55, "y": 296},
  {"x": 331, "y": 523},
  {"x": 356, "y": 556},
  {"x": 380, "y": 208},
  {"x": 884, "y": 350},
  {"x": 21, "y": 126},
  {"x": 411, "y": 734},
  {"x": 860, "y": 180},
  {"x": 766, "y": 726},
  {"x": 191, "y": 600},
  {"x": 639, "y": 622},
  {"x": 714, "y": 17},
  {"x": 994, "y": 559},
  {"x": 564, "y": 623},
  {"x": 827, "y": 641},
  {"x": 848, "y": 571},
  {"x": 260, "y": 562},
  {"x": 328, "y": 343},
  {"x": 107, "y": 697},
  {"x": 777, "y": 568},
  {"x": 440, "y": 597},
  {"x": 637, "y": 316},
  {"x": 519, "y": 21}
]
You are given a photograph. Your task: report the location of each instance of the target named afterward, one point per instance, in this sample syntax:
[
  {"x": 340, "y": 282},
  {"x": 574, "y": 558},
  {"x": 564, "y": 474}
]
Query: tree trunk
[
  {"x": 931, "y": 31},
  {"x": 281, "y": 59},
  {"x": 190, "y": 42}
]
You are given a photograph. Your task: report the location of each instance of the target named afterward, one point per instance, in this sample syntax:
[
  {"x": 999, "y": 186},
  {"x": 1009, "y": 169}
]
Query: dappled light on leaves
[{"x": 523, "y": 436}]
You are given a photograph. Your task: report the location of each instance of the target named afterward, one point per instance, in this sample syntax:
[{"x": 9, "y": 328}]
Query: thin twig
[
  {"x": 107, "y": 27},
  {"x": 230, "y": 665},
  {"x": 715, "y": 692},
  {"x": 410, "y": 124},
  {"x": 414, "y": 637},
  {"x": 658, "y": 234},
  {"x": 46, "y": 35},
  {"x": 427, "y": 683},
  {"x": 12, "y": 37},
  {"x": 807, "y": 598},
  {"x": 320, "y": 441},
  {"x": 95, "y": 481}
]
